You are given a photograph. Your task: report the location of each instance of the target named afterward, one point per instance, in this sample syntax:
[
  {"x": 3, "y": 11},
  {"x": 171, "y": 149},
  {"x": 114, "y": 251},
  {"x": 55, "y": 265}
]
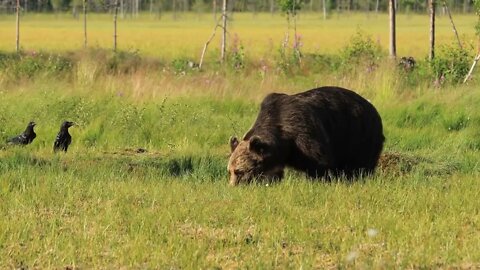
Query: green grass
[{"x": 105, "y": 205}]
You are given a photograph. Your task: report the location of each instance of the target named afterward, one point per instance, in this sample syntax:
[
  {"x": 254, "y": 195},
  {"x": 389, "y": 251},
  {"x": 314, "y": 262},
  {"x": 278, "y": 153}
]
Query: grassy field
[
  {"x": 105, "y": 204},
  {"x": 167, "y": 38}
]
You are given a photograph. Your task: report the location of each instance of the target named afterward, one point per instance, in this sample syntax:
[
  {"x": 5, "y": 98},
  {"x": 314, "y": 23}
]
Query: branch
[
  {"x": 217, "y": 25},
  {"x": 472, "y": 68},
  {"x": 453, "y": 25}
]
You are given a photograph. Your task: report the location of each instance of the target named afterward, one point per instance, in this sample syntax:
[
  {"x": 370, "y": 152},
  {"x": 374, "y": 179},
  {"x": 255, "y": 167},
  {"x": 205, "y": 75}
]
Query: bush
[
  {"x": 27, "y": 65},
  {"x": 361, "y": 51},
  {"x": 183, "y": 65},
  {"x": 451, "y": 64}
]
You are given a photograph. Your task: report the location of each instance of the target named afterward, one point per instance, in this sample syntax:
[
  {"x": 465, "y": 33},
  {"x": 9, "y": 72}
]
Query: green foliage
[
  {"x": 183, "y": 65},
  {"x": 451, "y": 64},
  {"x": 287, "y": 61},
  {"x": 237, "y": 54},
  {"x": 123, "y": 62},
  {"x": 290, "y": 7},
  {"x": 27, "y": 65},
  {"x": 476, "y": 6},
  {"x": 361, "y": 51}
]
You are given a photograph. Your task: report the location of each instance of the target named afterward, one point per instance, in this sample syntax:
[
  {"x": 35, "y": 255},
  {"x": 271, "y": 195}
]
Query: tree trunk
[
  {"x": 17, "y": 34},
  {"x": 214, "y": 4},
  {"x": 115, "y": 12},
  {"x": 74, "y": 12},
  {"x": 272, "y": 6},
  {"x": 174, "y": 9},
  {"x": 472, "y": 68},
  {"x": 324, "y": 4},
  {"x": 85, "y": 24},
  {"x": 122, "y": 9},
  {"x": 224, "y": 31},
  {"x": 393, "y": 41},
  {"x": 432, "y": 29},
  {"x": 453, "y": 24},
  {"x": 376, "y": 6}
]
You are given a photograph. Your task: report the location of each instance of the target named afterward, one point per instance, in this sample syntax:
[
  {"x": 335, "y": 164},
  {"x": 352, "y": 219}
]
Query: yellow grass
[{"x": 261, "y": 34}]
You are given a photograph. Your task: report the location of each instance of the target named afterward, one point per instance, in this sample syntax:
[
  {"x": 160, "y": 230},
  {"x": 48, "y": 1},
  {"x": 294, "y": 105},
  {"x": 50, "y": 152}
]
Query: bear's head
[{"x": 253, "y": 159}]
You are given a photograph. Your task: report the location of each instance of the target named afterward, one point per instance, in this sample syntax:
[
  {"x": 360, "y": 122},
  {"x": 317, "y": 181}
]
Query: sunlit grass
[
  {"x": 144, "y": 184},
  {"x": 261, "y": 34}
]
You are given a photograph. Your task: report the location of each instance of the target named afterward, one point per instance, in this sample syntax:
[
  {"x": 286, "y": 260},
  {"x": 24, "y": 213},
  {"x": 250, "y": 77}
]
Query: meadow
[
  {"x": 109, "y": 204},
  {"x": 260, "y": 34}
]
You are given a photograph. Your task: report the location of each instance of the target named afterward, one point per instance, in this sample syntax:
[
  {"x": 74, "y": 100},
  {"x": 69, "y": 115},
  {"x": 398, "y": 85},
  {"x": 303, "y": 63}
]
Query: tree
[
  {"x": 432, "y": 29},
  {"x": 393, "y": 45},
  {"x": 476, "y": 5},
  {"x": 85, "y": 23},
  {"x": 115, "y": 13},
  {"x": 290, "y": 8},
  {"x": 56, "y": 5},
  {"x": 17, "y": 34},
  {"x": 224, "y": 31}
]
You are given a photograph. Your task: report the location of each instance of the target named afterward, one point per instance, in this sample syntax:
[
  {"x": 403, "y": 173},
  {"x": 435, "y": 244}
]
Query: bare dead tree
[
  {"x": 217, "y": 24},
  {"x": 224, "y": 32},
  {"x": 451, "y": 22},
  {"x": 17, "y": 34},
  {"x": 432, "y": 28},
  {"x": 115, "y": 13},
  {"x": 85, "y": 24},
  {"x": 393, "y": 41},
  {"x": 472, "y": 68}
]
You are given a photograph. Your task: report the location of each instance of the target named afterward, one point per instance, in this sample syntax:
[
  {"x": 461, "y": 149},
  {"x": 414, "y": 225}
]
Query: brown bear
[{"x": 328, "y": 131}]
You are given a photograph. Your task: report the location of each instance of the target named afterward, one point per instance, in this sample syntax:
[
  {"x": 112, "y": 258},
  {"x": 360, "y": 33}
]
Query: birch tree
[{"x": 223, "y": 55}]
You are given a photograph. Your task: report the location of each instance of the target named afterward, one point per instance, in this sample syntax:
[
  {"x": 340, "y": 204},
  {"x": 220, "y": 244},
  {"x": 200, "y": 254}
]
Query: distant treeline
[{"x": 132, "y": 7}]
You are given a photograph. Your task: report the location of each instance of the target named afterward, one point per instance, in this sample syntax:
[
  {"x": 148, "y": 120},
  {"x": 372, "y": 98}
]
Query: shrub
[
  {"x": 451, "y": 64},
  {"x": 237, "y": 55},
  {"x": 27, "y": 65},
  {"x": 360, "y": 51},
  {"x": 182, "y": 65}
]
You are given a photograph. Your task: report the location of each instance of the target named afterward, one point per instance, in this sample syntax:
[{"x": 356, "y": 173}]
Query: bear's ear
[
  {"x": 257, "y": 145},
  {"x": 233, "y": 143}
]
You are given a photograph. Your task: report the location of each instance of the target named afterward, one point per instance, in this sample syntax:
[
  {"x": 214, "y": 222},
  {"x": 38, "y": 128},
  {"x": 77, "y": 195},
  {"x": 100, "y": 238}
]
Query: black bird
[
  {"x": 63, "y": 139},
  {"x": 26, "y": 137}
]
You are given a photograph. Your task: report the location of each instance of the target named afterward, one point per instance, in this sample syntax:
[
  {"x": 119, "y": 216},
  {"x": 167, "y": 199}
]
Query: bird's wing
[
  {"x": 20, "y": 139},
  {"x": 58, "y": 140}
]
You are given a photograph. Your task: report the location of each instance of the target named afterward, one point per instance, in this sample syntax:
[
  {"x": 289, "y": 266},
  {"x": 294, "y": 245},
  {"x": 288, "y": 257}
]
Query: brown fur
[{"x": 324, "y": 131}]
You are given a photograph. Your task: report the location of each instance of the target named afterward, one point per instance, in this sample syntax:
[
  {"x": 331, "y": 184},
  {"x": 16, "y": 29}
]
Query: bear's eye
[{"x": 237, "y": 172}]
